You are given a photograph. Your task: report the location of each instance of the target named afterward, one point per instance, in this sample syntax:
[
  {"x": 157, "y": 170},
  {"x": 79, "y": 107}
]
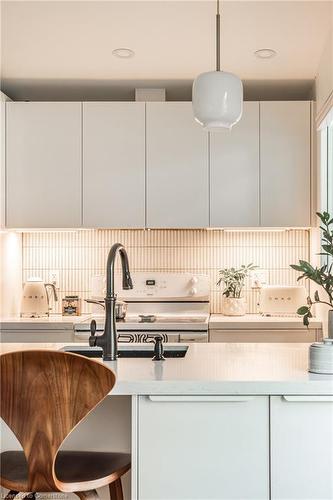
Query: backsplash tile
[{"x": 79, "y": 255}]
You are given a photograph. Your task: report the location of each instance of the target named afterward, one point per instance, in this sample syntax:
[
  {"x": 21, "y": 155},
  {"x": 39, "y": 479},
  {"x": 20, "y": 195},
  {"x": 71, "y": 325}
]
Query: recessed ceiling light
[
  {"x": 123, "y": 53},
  {"x": 265, "y": 53}
]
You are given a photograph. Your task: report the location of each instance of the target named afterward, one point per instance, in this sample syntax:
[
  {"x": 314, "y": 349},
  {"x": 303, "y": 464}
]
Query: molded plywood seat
[
  {"x": 71, "y": 467},
  {"x": 44, "y": 395}
]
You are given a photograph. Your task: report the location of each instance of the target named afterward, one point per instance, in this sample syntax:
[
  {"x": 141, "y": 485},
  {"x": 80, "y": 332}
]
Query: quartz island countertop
[{"x": 209, "y": 368}]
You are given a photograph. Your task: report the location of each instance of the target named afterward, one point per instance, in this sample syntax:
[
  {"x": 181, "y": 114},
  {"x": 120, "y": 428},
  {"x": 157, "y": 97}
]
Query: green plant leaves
[
  {"x": 302, "y": 310},
  {"x": 322, "y": 275},
  {"x": 234, "y": 279}
]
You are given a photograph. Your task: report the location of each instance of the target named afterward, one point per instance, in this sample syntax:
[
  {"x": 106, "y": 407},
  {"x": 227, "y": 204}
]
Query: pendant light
[{"x": 217, "y": 96}]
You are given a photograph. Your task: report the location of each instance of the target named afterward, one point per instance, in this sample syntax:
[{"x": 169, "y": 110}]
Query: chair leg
[
  {"x": 11, "y": 494},
  {"x": 87, "y": 495},
  {"x": 116, "y": 490}
]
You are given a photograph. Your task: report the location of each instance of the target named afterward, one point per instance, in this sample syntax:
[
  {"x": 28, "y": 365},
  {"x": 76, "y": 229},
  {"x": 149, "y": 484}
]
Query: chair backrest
[{"x": 44, "y": 395}]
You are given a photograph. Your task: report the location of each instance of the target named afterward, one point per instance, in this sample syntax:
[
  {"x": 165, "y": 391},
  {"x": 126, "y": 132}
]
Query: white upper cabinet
[
  {"x": 43, "y": 164},
  {"x": 234, "y": 172},
  {"x": 114, "y": 164},
  {"x": 285, "y": 156},
  {"x": 135, "y": 164},
  {"x": 177, "y": 167}
]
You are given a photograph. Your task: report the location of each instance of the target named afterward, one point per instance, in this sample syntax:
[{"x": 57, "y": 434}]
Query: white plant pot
[
  {"x": 233, "y": 307},
  {"x": 330, "y": 324}
]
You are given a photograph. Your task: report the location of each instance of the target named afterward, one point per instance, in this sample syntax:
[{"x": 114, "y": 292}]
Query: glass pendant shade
[{"x": 217, "y": 99}]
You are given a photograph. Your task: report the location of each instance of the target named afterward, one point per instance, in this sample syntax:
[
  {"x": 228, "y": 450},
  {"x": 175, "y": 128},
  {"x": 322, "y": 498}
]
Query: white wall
[
  {"x": 10, "y": 242},
  {"x": 3, "y": 99},
  {"x": 10, "y": 273},
  {"x": 324, "y": 78}
]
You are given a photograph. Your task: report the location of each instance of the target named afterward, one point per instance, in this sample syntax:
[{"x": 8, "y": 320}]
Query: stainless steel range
[{"x": 173, "y": 305}]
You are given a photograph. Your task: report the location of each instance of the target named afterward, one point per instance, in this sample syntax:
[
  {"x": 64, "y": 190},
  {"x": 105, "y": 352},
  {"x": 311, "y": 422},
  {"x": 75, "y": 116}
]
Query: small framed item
[{"x": 71, "y": 305}]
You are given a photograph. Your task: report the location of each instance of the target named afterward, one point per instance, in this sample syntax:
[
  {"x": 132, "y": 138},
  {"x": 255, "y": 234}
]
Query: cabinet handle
[
  {"x": 204, "y": 399},
  {"x": 314, "y": 399}
]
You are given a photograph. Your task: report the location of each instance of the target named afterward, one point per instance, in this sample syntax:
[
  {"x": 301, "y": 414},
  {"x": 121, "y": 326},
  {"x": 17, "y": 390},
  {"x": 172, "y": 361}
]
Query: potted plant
[
  {"x": 321, "y": 275},
  {"x": 233, "y": 280}
]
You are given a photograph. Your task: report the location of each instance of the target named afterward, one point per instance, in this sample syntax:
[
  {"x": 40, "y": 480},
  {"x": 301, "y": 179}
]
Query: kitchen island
[{"x": 228, "y": 421}]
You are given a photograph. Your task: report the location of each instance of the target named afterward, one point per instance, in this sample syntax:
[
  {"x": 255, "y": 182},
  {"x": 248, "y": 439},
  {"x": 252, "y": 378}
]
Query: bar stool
[{"x": 44, "y": 396}]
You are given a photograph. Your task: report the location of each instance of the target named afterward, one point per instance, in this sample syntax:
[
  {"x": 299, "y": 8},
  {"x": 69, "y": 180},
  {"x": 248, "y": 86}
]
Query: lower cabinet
[
  {"x": 302, "y": 447},
  {"x": 33, "y": 335},
  {"x": 203, "y": 447},
  {"x": 275, "y": 335}
]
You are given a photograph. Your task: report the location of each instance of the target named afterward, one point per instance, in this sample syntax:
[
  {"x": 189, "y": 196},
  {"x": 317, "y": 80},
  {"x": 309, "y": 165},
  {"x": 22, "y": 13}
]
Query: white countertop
[
  {"x": 258, "y": 322},
  {"x": 216, "y": 322},
  {"x": 217, "y": 369},
  {"x": 54, "y": 322}
]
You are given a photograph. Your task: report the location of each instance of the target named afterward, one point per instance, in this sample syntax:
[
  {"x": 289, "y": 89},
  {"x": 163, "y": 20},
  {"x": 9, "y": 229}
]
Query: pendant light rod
[{"x": 218, "y": 37}]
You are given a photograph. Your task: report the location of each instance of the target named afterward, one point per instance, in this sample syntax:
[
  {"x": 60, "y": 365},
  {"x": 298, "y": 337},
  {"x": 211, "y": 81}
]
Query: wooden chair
[{"x": 44, "y": 396}]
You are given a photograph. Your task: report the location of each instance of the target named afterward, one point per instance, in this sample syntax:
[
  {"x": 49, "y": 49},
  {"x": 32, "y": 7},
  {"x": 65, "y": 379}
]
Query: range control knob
[{"x": 193, "y": 291}]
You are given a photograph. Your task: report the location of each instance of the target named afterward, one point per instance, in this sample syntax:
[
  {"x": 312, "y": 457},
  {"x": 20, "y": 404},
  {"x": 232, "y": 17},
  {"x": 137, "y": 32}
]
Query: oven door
[{"x": 149, "y": 335}]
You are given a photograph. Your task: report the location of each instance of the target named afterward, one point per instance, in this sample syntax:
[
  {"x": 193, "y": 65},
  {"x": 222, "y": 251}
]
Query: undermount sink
[{"x": 138, "y": 351}]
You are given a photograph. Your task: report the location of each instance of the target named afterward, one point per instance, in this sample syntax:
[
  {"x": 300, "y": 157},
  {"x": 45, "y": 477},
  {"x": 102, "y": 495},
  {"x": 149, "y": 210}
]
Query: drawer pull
[
  {"x": 204, "y": 399},
  {"x": 313, "y": 399}
]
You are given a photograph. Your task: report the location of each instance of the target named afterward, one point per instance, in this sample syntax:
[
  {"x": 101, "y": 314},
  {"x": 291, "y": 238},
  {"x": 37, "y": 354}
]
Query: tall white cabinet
[
  {"x": 203, "y": 447},
  {"x": 43, "y": 164},
  {"x": 285, "y": 163},
  {"x": 234, "y": 172},
  {"x": 177, "y": 189},
  {"x": 302, "y": 447},
  {"x": 114, "y": 164}
]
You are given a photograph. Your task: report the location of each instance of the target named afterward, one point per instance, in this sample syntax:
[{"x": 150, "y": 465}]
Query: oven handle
[{"x": 175, "y": 336}]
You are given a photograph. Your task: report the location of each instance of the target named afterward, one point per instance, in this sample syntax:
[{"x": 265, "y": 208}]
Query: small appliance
[
  {"x": 281, "y": 300},
  {"x": 36, "y": 298},
  {"x": 321, "y": 357}
]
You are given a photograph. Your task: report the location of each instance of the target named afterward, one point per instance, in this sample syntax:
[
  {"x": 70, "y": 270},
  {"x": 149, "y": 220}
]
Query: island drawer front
[
  {"x": 248, "y": 335},
  {"x": 302, "y": 447},
  {"x": 199, "y": 447}
]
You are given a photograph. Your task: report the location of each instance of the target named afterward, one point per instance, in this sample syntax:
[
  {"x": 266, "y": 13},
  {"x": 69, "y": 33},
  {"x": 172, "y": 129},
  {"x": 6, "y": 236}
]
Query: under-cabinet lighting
[
  {"x": 46, "y": 230},
  {"x": 258, "y": 230}
]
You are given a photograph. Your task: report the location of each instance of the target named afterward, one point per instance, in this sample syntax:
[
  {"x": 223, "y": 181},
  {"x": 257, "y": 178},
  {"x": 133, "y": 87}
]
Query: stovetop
[{"x": 165, "y": 322}]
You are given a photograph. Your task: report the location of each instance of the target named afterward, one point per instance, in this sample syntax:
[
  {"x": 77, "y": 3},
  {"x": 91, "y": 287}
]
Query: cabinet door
[
  {"x": 177, "y": 167},
  {"x": 302, "y": 447},
  {"x": 114, "y": 164},
  {"x": 234, "y": 172},
  {"x": 285, "y": 161},
  {"x": 203, "y": 447},
  {"x": 276, "y": 335},
  {"x": 43, "y": 167}
]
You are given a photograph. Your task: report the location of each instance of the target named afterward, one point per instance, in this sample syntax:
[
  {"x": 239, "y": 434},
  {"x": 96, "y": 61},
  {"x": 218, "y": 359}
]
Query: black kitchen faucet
[{"x": 108, "y": 340}]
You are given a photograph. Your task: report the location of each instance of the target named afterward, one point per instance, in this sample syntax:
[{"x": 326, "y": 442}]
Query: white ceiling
[{"x": 71, "y": 41}]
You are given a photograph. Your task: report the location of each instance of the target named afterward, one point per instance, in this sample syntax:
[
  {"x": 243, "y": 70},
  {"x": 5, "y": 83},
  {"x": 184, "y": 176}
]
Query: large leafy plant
[
  {"x": 320, "y": 275},
  {"x": 234, "y": 279}
]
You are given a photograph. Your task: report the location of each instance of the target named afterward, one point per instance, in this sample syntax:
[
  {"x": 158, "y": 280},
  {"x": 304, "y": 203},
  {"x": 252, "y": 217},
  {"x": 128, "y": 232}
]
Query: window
[
  {"x": 326, "y": 155},
  {"x": 326, "y": 170}
]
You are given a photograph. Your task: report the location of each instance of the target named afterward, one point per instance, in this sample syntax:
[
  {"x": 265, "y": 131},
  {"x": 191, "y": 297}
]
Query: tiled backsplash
[{"x": 79, "y": 255}]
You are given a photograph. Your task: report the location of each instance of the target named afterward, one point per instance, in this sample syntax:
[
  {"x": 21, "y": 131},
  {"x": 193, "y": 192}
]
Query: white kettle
[{"x": 36, "y": 298}]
